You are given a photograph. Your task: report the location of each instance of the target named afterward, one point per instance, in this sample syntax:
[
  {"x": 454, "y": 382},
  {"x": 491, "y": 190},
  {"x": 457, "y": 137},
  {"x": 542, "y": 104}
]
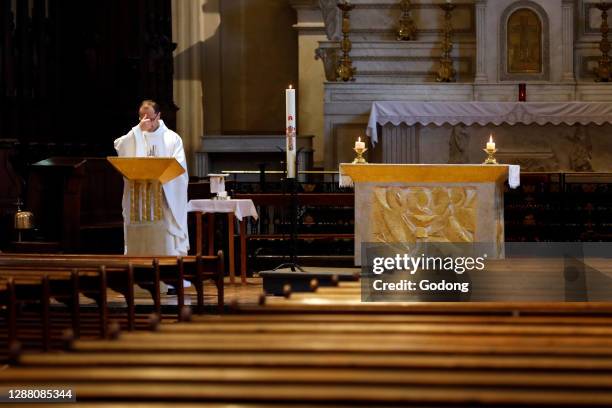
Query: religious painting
[{"x": 524, "y": 42}]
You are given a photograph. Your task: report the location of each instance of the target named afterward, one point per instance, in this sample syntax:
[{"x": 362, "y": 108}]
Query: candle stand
[{"x": 291, "y": 186}]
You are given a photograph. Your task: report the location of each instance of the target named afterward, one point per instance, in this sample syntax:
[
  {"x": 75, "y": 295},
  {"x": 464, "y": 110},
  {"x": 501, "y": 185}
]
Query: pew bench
[
  {"x": 148, "y": 271},
  {"x": 381, "y": 359}
]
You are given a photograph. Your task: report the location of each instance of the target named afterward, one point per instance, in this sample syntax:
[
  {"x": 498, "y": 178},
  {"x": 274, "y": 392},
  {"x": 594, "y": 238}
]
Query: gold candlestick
[
  {"x": 446, "y": 72},
  {"x": 407, "y": 29},
  {"x": 359, "y": 159},
  {"x": 490, "y": 156},
  {"x": 602, "y": 72},
  {"x": 345, "y": 70}
]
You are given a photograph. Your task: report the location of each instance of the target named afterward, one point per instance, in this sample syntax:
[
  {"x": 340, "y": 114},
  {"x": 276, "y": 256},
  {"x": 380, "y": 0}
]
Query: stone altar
[{"x": 406, "y": 203}]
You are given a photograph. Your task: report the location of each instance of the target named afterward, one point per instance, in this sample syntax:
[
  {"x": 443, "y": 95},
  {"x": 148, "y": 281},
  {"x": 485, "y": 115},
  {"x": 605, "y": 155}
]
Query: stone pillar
[
  {"x": 197, "y": 92},
  {"x": 187, "y": 34},
  {"x": 568, "y": 41},
  {"x": 311, "y": 73},
  {"x": 481, "y": 46}
]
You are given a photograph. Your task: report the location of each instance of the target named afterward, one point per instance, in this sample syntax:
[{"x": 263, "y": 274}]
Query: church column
[
  {"x": 568, "y": 41},
  {"x": 187, "y": 32},
  {"x": 311, "y": 73},
  {"x": 481, "y": 46}
]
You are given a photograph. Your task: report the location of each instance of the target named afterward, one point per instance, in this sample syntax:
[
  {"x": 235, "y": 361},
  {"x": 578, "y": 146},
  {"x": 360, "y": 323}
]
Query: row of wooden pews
[
  {"x": 319, "y": 349},
  {"x": 32, "y": 282}
]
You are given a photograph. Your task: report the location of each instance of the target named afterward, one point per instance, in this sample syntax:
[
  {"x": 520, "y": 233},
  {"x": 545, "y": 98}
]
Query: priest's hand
[{"x": 145, "y": 124}]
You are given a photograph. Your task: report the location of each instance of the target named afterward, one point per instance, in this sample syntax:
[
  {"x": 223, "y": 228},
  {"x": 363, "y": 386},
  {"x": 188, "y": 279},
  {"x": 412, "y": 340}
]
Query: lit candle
[
  {"x": 359, "y": 144},
  {"x": 491, "y": 143},
  {"x": 290, "y": 130}
]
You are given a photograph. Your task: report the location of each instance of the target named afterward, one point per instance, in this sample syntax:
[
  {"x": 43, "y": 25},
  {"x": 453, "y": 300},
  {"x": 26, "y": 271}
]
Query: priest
[{"x": 151, "y": 138}]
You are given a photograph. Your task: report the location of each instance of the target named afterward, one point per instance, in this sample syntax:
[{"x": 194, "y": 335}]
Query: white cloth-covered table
[
  {"x": 234, "y": 208},
  {"x": 484, "y": 113},
  {"x": 240, "y": 208}
]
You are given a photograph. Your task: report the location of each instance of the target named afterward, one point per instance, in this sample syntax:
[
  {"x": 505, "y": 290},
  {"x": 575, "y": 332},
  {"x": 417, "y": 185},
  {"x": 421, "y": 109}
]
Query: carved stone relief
[
  {"x": 332, "y": 19},
  {"x": 580, "y": 154},
  {"x": 459, "y": 145},
  {"x": 329, "y": 56},
  {"x": 432, "y": 214}
]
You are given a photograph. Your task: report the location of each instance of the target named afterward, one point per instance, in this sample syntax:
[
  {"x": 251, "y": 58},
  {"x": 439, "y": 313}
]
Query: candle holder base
[
  {"x": 490, "y": 156},
  {"x": 360, "y": 159}
]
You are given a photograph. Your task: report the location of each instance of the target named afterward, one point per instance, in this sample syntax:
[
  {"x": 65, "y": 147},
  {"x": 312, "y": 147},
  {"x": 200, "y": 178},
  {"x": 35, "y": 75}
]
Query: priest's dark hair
[{"x": 151, "y": 103}]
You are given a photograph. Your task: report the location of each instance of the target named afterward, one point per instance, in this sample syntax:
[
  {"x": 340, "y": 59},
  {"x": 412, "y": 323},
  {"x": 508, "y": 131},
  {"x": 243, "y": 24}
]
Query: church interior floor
[{"x": 237, "y": 292}]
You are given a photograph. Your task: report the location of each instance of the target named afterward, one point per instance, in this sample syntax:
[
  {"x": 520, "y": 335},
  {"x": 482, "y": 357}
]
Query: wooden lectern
[{"x": 146, "y": 232}]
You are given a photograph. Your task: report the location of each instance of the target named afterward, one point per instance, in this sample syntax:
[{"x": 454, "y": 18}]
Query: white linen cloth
[
  {"x": 163, "y": 142},
  {"x": 484, "y": 113},
  {"x": 240, "y": 208},
  {"x": 514, "y": 174}
]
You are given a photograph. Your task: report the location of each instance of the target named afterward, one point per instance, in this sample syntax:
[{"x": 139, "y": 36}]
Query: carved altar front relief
[{"x": 437, "y": 214}]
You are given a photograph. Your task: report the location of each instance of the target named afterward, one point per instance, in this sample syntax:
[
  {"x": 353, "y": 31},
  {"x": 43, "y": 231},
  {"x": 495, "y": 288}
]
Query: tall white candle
[{"x": 291, "y": 130}]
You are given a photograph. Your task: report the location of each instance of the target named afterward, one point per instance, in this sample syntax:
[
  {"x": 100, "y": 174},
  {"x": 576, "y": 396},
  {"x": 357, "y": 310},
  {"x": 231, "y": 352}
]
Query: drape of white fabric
[
  {"x": 485, "y": 113},
  {"x": 240, "y": 208},
  {"x": 167, "y": 144}
]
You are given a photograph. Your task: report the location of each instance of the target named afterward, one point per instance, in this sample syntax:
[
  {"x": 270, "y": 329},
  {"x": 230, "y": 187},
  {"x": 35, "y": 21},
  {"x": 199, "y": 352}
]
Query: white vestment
[{"x": 161, "y": 143}]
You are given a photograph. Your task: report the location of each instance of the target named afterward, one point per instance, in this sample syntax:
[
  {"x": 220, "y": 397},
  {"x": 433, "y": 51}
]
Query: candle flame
[
  {"x": 490, "y": 138},
  {"x": 290, "y": 86},
  {"x": 359, "y": 139}
]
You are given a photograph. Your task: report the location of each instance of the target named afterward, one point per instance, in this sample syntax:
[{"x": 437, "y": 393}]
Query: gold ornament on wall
[
  {"x": 446, "y": 72},
  {"x": 524, "y": 42},
  {"x": 345, "y": 70},
  {"x": 602, "y": 72},
  {"x": 407, "y": 29}
]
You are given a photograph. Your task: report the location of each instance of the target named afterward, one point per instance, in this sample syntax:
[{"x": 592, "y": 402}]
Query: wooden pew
[
  {"x": 39, "y": 286},
  {"x": 8, "y": 299},
  {"x": 211, "y": 360},
  {"x": 68, "y": 279},
  {"x": 64, "y": 282},
  {"x": 290, "y": 354},
  {"x": 149, "y": 271}
]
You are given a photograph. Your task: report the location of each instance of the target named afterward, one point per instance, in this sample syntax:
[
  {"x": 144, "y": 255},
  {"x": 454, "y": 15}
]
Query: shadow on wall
[{"x": 244, "y": 66}]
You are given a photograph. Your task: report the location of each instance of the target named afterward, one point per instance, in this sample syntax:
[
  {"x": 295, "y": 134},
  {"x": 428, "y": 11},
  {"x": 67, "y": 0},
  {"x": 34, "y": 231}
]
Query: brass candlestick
[
  {"x": 490, "y": 156},
  {"x": 446, "y": 72},
  {"x": 345, "y": 70},
  {"x": 602, "y": 72},
  {"x": 407, "y": 29},
  {"x": 359, "y": 159}
]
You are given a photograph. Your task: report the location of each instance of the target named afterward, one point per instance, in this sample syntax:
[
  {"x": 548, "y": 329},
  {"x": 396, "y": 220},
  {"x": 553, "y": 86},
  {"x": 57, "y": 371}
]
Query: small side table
[{"x": 235, "y": 209}]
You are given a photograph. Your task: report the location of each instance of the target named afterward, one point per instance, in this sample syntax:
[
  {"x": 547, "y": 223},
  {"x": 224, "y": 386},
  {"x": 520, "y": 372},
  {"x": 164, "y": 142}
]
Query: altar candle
[
  {"x": 290, "y": 130},
  {"x": 491, "y": 143},
  {"x": 359, "y": 144}
]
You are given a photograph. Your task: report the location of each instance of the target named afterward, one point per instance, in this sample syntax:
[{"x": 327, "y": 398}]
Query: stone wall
[
  {"x": 233, "y": 61},
  {"x": 391, "y": 70}
]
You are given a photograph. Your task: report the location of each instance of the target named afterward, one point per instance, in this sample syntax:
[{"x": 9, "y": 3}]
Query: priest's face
[{"x": 149, "y": 120}]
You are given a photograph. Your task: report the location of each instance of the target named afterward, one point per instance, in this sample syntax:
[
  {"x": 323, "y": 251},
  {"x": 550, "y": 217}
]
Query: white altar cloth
[
  {"x": 484, "y": 113},
  {"x": 240, "y": 208}
]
